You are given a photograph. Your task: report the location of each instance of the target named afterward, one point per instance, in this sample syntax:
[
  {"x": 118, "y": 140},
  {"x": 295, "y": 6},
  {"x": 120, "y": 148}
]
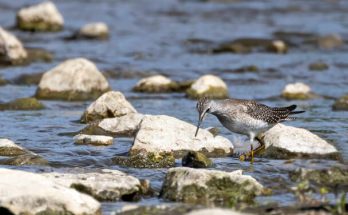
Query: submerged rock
[
  {"x": 27, "y": 79},
  {"x": 208, "y": 85},
  {"x": 209, "y": 187},
  {"x": 318, "y": 66},
  {"x": 160, "y": 84},
  {"x": 284, "y": 142},
  {"x": 126, "y": 125},
  {"x": 330, "y": 41},
  {"x": 110, "y": 104},
  {"x": 38, "y": 54},
  {"x": 75, "y": 79},
  {"x": 215, "y": 211},
  {"x": 297, "y": 90},
  {"x": 196, "y": 160},
  {"x": 104, "y": 185},
  {"x": 341, "y": 103},
  {"x": 11, "y": 49},
  {"x": 29, "y": 158},
  {"x": 163, "y": 133},
  {"x": 9, "y": 148},
  {"x": 30, "y": 193},
  {"x": 146, "y": 160},
  {"x": 96, "y": 30},
  {"x": 97, "y": 140},
  {"x": 40, "y": 17},
  {"x": 22, "y": 104}
]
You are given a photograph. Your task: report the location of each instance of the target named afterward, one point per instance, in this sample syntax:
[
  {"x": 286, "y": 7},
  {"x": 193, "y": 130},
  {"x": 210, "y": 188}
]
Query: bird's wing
[{"x": 265, "y": 113}]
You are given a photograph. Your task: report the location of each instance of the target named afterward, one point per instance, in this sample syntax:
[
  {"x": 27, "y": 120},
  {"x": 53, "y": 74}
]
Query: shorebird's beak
[{"x": 201, "y": 117}]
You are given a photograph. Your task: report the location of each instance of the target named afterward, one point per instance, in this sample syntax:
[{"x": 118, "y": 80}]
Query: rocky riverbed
[{"x": 97, "y": 104}]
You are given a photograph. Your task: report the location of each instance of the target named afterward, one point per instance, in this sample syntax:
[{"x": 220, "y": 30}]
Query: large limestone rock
[
  {"x": 283, "y": 141},
  {"x": 11, "y": 49},
  {"x": 297, "y": 91},
  {"x": 167, "y": 134},
  {"x": 208, "y": 85},
  {"x": 126, "y": 125},
  {"x": 341, "y": 103},
  {"x": 29, "y": 193},
  {"x": 106, "y": 185},
  {"x": 40, "y": 17},
  {"x": 75, "y": 79},
  {"x": 110, "y": 104},
  {"x": 9, "y": 148},
  {"x": 97, "y": 140},
  {"x": 209, "y": 187},
  {"x": 96, "y": 30}
]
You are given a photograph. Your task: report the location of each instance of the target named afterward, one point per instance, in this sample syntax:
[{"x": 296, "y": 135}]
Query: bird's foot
[{"x": 249, "y": 156}]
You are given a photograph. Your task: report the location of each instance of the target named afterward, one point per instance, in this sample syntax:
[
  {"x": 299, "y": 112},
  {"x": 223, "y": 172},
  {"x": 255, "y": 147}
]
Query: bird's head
[{"x": 203, "y": 107}]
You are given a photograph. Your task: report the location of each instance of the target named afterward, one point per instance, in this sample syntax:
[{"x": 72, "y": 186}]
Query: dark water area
[{"x": 150, "y": 37}]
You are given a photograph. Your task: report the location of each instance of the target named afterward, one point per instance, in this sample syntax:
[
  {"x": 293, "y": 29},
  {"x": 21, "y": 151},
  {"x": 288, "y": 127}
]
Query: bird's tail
[{"x": 296, "y": 112}]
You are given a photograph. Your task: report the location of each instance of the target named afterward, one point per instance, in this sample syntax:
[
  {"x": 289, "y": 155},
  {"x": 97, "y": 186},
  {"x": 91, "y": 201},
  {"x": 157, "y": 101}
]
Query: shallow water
[{"x": 149, "y": 37}]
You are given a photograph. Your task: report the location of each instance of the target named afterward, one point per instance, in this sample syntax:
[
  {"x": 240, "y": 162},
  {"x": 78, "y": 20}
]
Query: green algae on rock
[
  {"x": 208, "y": 86},
  {"x": 146, "y": 160},
  {"x": 209, "y": 187},
  {"x": 196, "y": 160},
  {"x": 9, "y": 148},
  {"x": 29, "y": 158},
  {"x": 341, "y": 103},
  {"x": 23, "y": 104}
]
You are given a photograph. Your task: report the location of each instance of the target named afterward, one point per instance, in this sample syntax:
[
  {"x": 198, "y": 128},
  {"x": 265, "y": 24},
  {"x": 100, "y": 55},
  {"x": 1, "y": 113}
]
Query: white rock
[
  {"x": 94, "y": 30},
  {"x": 295, "y": 140},
  {"x": 167, "y": 134},
  {"x": 106, "y": 185},
  {"x": 156, "y": 83},
  {"x": 75, "y": 79},
  {"x": 9, "y": 148},
  {"x": 11, "y": 49},
  {"x": 42, "y": 17},
  {"x": 98, "y": 140},
  {"x": 208, "y": 85},
  {"x": 29, "y": 193},
  {"x": 296, "y": 88},
  {"x": 215, "y": 211},
  {"x": 110, "y": 104}
]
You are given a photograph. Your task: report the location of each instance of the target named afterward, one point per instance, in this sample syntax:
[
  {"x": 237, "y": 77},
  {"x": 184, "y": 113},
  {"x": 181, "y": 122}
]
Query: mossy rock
[
  {"x": 298, "y": 96},
  {"x": 246, "y": 45},
  {"x": 35, "y": 54},
  {"x": 27, "y": 79},
  {"x": 23, "y": 104},
  {"x": 341, "y": 103},
  {"x": 196, "y": 160},
  {"x": 212, "y": 92},
  {"x": 318, "y": 66},
  {"x": 37, "y": 26},
  {"x": 11, "y": 151},
  {"x": 68, "y": 95},
  {"x": 146, "y": 160},
  {"x": 25, "y": 159}
]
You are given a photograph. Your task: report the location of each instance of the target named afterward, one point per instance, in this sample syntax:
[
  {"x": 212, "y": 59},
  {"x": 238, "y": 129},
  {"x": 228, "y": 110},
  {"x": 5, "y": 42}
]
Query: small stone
[
  {"x": 208, "y": 85},
  {"x": 96, "y": 140},
  {"x": 41, "y": 17},
  {"x": 75, "y": 79},
  {"x": 110, "y": 104},
  {"x": 97, "y": 30},
  {"x": 11, "y": 49},
  {"x": 29, "y": 158},
  {"x": 146, "y": 160},
  {"x": 318, "y": 66},
  {"x": 23, "y": 104},
  {"x": 209, "y": 187},
  {"x": 278, "y": 46},
  {"x": 196, "y": 160},
  {"x": 30, "y": 193},
  {"x": 284, "y": 142},
  {"x": 154, "y": 84},
  {"x": 104, "y": 185},
  {"x": 9, "y": 148},
  {"x": 297, "y": 90},
  {"x": 341, "y": 103},
  {"x": 330, "y": 41}
]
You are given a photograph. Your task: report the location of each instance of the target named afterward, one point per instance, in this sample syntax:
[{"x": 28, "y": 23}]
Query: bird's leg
[
  {"x": 249, "y": 155},
  {"x": 260, "y": 148}
]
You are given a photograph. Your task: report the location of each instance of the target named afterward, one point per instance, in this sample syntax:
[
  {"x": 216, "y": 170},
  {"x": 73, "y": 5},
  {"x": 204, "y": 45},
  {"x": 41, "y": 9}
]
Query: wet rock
[
  {"x": 160, "y": 84},
  {"x": 104, "y": 185},
  {"x": 30, "y": 193},
  {"x": 330, "y": 41},
  {"x": 41, "y": 55},
  {"x": 75, "y": 79},
  {"x": 196, "y": 160},
  {"x": 208, "y": 85},
  {"x": 29, "y": 158},
  {"x": 110, "y": 104},
  {"x": 318, "y": 66},
  {"x": 27, "y": 79},
  {"x": 146, "y": 160},
  {"x": 41, "y": 17},
  {"x": 215, "y": 211},
  {"x": 158, "y": 209},
  {"x": 209, "y": 187},
  {"x": 97, "y": 30},
  {"x": 341, "y": 103},
  {"x": 9, "y": 148},
  {"x": 298, "y": 91},
  {"x": 126, "y": 125},
  {"x": 97, "y": 140},
  {"x": 22, "y": 104},
  {"x": 167, "y": 134},
  {"x": 11, "y": 49},
  {"x": 278, "y": 46},
  {"x": 284, "y": 142}
]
